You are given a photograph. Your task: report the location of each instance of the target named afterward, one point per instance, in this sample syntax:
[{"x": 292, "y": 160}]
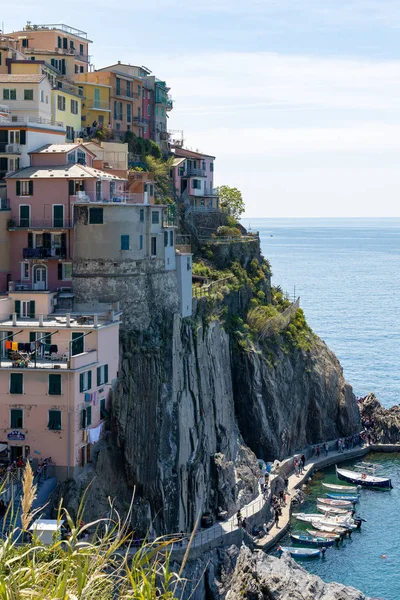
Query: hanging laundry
[
  {"x": 27, "y": 347},
  {"x": 21, "y": 346},
  {"x": 14, "y": 346},
  {"x": 33, "y": 346},
  {"x": 53, "y": 349},
  {"x": 8, "y": 345}
]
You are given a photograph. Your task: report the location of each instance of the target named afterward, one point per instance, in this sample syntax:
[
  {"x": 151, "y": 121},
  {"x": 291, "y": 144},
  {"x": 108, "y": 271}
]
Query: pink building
[
  {"x": 148, "y": 112},
  {"x": 41, "y": 198},
  {"x": 193, "y": 175},
  {"x": 56, "y": 371}
]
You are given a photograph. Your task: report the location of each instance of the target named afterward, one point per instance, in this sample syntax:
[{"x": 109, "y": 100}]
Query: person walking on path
[
  {"x": 326, "y": 447},
  {"x": 318, "y": 451},
  {"x": 277, "y": 514},
  {"x": 303, "y": 460},
  {"x": 239, "y": 518}
]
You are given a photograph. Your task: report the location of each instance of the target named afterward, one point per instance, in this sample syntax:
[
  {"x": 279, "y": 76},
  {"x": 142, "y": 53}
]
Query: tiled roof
[
  {"x": 59, "y": 149},
  {"x": 189, "y": 153},
  {"x": 32, "y": 78},
  {"x": 62, "y": 172}
]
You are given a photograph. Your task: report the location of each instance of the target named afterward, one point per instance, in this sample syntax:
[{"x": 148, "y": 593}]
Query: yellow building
[
  {"x": 96, "y": 106},
  {"x": 67, "y": 103}
]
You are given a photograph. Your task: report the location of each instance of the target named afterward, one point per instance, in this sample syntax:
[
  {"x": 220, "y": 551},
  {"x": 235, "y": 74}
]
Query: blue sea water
[{"x": 347, "y": 274}]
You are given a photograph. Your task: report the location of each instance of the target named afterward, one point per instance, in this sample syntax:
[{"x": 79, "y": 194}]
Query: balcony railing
[
  {"x": 122, "y": 93},
  {"x": 116, "y": 198},
  {"x": 170, "y": 104},
  {"x": 40, "y": 224},
  {"x": 140, "y": 121},
  {"x": 13, "y": 149},
  {"x": 191, "y": 172},
  {"x": 5, "y": 110},
  {"x": 60, "y": 26},
  {"x": 92, "y": 105},
  {"x": 44, "y": 253},
  {"x": 26, "y": 119}
]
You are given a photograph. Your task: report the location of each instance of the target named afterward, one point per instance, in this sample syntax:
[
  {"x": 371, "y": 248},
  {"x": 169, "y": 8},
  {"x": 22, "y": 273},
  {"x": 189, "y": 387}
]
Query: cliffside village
[{"x": 78, "y": 223}]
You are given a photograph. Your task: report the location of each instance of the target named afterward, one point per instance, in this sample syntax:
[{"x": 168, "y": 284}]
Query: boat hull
[
  {"x": 300, "y": 552},
  {"x": 345, "y": 497},
  {"x": 342, "y": 489},
  {"x": 331, "y": 510},
  {"x": 312, "y": 541},
  {"x": 335, "y": 502},
  {"x": 364, "y": 479}
]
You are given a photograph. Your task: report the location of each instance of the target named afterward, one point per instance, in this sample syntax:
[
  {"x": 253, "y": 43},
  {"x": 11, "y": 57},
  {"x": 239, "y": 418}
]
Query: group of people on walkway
[{"x": 298, "y": 465}]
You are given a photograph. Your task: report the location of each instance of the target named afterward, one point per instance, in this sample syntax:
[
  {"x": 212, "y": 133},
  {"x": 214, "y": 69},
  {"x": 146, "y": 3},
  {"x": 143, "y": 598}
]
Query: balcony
[
  {"x": 60, "y": 27},
  {"x": 28, "y": 119},
  {"x": 170, "y": 104},
  {"x": 191, "y": 172},
  {"x": 40, "y": 224},
  {"x": 122, "y": 93},
  {"x": 41, "y": 253},
  {"x": 116, "y": 198},
  {"x": 139, "y": 121},
  {"x": 92, "y": 105},
  {"x": 4, "y": 110}
]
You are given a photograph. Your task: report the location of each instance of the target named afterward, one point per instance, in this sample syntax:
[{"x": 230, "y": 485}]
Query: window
[
  {"x": 71, "y": 45},
  {"x": 13, "y": 164},
  {"x": 196, "y": 184},
  {"x": 171, "y": 238},
  {"x": 54, "y": 422},
  {"x": 9, "y": 94},
  {"x": 25, "y": 270},
  {"x": 142, "y": 215},
  {"x": 78, "y": 343},
  {"x": 24, "y": 188},
  {"x": 16, "y": 387},
  {"x": 155, "y": 217},
  {"x": 59, "y": 40},
  {"x": 65, "y": 43},
  {"x": 55, "y": 385},
  {"x": 67, "y": 270},
  {"x": 81, "y": 69},
  {"x": 80, "y": 48},
  {"x": 115, "y": 109},
  {"x": 74, "y": 107},
  {"x": 144, "y": 129},
  {"x": 118, "y": 126},
  {"x": 148, "y": 95},
  {"x": 103, "y": 411},
  {"x": 128, "y": 89},
  {"x": 128, "y": 113},
  {"x": 165, "y": 239},
  {"x": 76, "y": 69},
  {"x": 211, "y": 166},
  {"x": 141, "y": 242},
  {"x": 148, "y": 110},
  {"x": 58, "y": 215},
  {"x": 70, "y": 133},
  {"x": 41, "y": 95},
  {"x": 124, "y": 242},
  {"x": 151, "y": 189},
  {"x": 81, "y": 159},
  {"x": 28, "y": 94},
  {"x": 25, "y": 43},
  {"x": 24, "y": 308},
  {"x": 96, "y": 216},
  {"x": 61, "y": 102},
  {"x": 121, "y": 112},
  {"x": 118, "y": 86},
  {"x": 85, "y": 381},
  {"x": 14, "y": 137},
  {"x": 16, "y": 417},
  {"x": 24, "y": 215},
  {"x": 203, "y": 165},
  {"x": 154, "y": 246},
  {"x": 102, "y": 375},
  {"x": 86, "y": 417}
]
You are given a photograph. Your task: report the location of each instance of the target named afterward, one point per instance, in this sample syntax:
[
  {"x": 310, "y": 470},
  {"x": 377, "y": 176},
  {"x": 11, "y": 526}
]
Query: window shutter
[
  {"x": 88, "y": 416},
  {"x": 165, "y": 238},
  {"x": 18, "y": 188},
  {"x": 22, "y": 137},
  {"x": 89, "y": 380},
  {"x": 30, "y": 239},
  {"x": 81, "y": 382},
  {"x": 32, "y": 336},
  {"x": 105, "y": 373},
  {"x": 83, "y": 418},
  {"x": 32, "y": 309},
  {"x": 30, "y": 187},
  {"x": 47, "y": 339},
  {"x": 71, "y": 187},
  {"x": 59, "y": 271},
  {"x": 17, "y": 307},
  {"x": 98, "y": 376}
]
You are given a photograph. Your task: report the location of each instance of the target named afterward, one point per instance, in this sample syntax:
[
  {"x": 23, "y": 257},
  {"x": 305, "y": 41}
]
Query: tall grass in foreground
[{"x": 97, "y": 565}]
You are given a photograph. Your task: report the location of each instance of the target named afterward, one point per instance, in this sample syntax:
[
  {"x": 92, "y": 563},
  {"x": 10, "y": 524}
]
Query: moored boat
[
  {"x": 343, "y": 489},
  {"x": 309, "y": 540},
  {"x": 344, "y": 520},
  {"x": 324, "y": 529},
  {"x": 326, "y": 534},
  {"x": 331, "y": 510},
  {"x": 300, "y": 552},
  {"x": 363, "y": 479},
  {"x": 335, "y": 502},
  {"x": 346, "y": 497}
]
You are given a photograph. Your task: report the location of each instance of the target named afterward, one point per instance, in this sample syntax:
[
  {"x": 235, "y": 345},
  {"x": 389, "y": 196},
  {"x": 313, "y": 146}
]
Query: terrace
[{"x": 60, "y": 27}]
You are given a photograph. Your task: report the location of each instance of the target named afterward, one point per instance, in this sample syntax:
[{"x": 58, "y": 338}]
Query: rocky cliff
[
  {"x": 385, "y": 425},
  {"x": 198, "y": 399}
]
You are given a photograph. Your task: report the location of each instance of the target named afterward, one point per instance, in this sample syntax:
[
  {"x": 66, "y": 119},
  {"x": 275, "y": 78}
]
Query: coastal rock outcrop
[
  {"x": 258, "y": 576},
  {"x": 385, "y": 425}
]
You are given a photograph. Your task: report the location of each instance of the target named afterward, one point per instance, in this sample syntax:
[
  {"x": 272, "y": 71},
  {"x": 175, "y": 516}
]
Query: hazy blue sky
[{"x": 298, "y": 99}]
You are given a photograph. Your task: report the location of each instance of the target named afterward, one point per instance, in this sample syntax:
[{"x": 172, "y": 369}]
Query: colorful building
[
  {"x": 56, "y": 371},
  {"x": 67, "y": 107},
  {"x": 96, "y": 107},
  {"x": 64, "y": 47},
  {"x": 41, "y": 199},
  {"x": 193, "y": 176}
]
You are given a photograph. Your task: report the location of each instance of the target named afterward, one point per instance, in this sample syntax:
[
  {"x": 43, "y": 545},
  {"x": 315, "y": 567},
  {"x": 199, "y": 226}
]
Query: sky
[{"x": 299, "y": 100}]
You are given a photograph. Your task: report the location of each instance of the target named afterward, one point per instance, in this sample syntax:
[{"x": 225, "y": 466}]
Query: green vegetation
[
  {"x": 92, "y": 562},
  {"x": 229, "y": 232},
  {"x": 231, "y": 200},
  {"x": 163, "y": 185},
  {"x": 141, "y": 147}
]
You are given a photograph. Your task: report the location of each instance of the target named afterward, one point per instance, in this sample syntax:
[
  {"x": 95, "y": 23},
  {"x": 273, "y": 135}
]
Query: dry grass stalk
[{"x": 28, "y": 497}]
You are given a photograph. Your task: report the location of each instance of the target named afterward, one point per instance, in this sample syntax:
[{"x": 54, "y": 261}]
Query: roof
[
  {"x": 177, "y": 161},
  {"x": 75, "y": 171},
  {"x": 32, "y": 78},
  {"x": 189, "y": 153},
  {"x": 58, "y": 149}
]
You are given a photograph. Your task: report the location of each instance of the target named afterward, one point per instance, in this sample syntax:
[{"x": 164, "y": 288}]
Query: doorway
[
  {"x": 39, "y": 277},
  {"x": 16, "y": 452}
]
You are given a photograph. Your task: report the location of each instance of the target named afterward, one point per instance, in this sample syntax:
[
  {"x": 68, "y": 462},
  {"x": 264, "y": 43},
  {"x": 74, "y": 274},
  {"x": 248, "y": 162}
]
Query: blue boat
[
  {"x": 300, "y": 552},
  {"x": 309, "y": 540},
  {"x": 343, "y": 497}
]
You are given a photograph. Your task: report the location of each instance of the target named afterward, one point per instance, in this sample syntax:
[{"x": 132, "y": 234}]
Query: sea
[{"x": 347, "y": 275}]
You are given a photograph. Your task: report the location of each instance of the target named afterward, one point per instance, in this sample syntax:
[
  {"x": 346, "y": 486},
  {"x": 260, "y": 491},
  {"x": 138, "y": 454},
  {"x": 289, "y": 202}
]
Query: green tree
[
  {"x": 232, "y": 200},
  {"x": 163, "y": 185}
]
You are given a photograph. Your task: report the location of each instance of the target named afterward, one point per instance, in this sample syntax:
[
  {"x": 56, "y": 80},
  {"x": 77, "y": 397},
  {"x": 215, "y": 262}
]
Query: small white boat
[
  {"x": 341, "y": 520},
  {"x": 335, "y": 502},
  {"x": 344, "y": 489},
  {"x": 364, "y": 478},
  {"x": 325, "y": 534},
  {"x": 300, "y": 552},
  {"x": 331, "y": 510},
  {"x": 328, "y": 528}
]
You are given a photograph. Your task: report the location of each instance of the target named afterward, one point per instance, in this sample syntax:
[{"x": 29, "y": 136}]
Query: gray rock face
[
  {"x": 386, "y": 420},
  {"x": 292, "y": 400},
  {"x": 258, "y": 576}
]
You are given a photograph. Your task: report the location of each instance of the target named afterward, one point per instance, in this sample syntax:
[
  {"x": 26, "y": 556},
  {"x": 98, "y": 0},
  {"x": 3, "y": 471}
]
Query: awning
[{"x": 3, "y": 446}]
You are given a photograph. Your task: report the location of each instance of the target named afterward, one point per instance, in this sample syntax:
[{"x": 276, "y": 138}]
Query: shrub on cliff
[{"x": 228, "y": 232}]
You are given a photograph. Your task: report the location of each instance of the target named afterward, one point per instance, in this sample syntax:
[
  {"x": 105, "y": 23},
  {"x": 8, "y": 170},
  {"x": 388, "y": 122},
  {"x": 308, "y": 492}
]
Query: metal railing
[
  {"x": 191, "y": 171},
  {"x": 44, "y": 253},
  {"x": 60, "y": 26},
  {"x": 116, "y": 198},
  {"x": 40, "y": 223},
  {"x": 122, "y": 93},
  {"x": 26, "y": 119},
  {"x": 139, "y": 121},
  {"x": 93, "y": 105},
  {"x": 209, "y": 288}
]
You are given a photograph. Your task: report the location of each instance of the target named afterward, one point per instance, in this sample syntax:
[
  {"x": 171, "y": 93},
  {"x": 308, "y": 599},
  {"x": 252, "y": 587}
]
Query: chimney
[
  {"x": 68, "y": 319},
  {"x": 40, "y": 320},
  {"x": 14, "y": 319}
]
